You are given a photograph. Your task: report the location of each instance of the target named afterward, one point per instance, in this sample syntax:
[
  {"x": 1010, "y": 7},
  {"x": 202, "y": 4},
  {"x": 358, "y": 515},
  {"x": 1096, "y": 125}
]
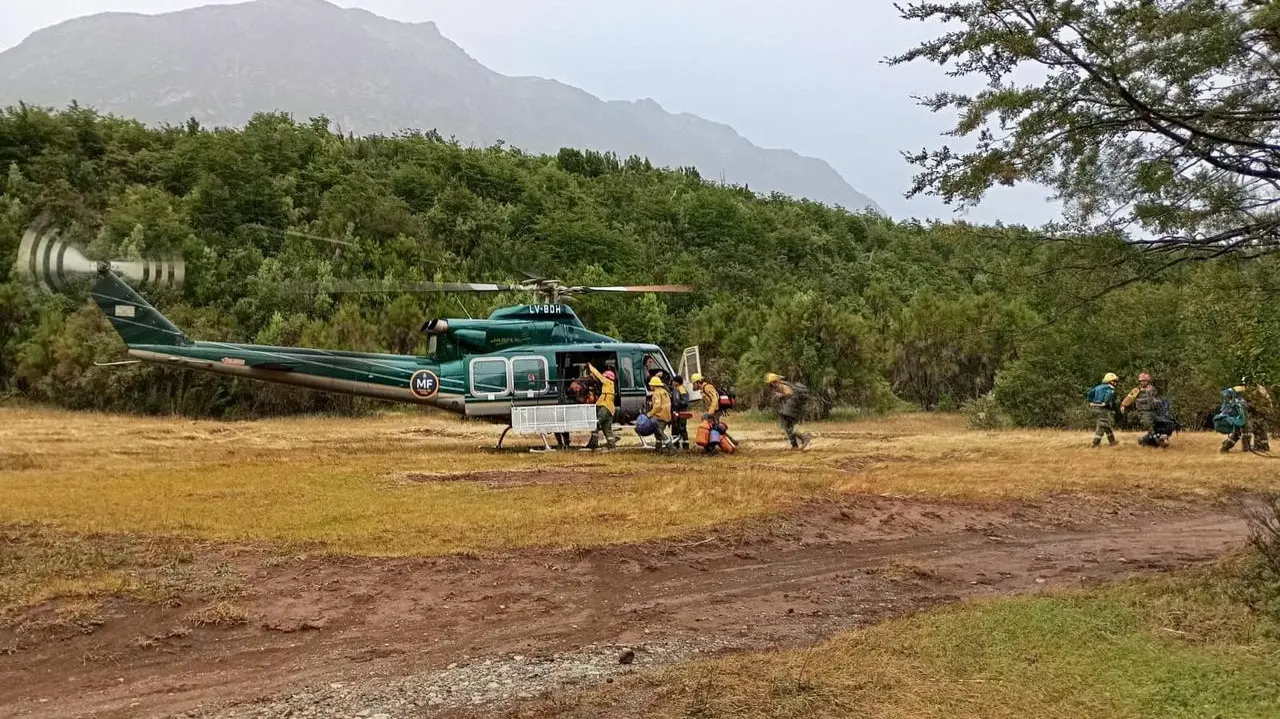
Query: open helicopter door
[{"x": 690, "y": 364}]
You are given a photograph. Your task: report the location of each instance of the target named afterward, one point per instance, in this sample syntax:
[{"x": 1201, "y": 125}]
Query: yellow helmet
[
  {"x": 655, "y": 381},
  {"x": 1111, "y": 377},
  {"x": 697, "y": 377},
  {"x": 771, "y": 378}
]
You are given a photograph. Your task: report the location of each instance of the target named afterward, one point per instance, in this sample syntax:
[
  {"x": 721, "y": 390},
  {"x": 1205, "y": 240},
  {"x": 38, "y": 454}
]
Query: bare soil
[{"x": 777, "y": 583}]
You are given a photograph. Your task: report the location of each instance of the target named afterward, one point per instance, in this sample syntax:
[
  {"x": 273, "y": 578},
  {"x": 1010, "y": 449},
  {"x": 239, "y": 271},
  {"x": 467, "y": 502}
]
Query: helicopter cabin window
[
  {"x": 529, "y": 375},
  {"x": 489, "y": 377}
]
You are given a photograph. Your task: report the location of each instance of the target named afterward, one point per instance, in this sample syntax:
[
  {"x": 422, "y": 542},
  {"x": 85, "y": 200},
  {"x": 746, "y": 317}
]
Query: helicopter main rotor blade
[
  {"x": 635, "y": 288},
  {"x": 412, "y": 287}
]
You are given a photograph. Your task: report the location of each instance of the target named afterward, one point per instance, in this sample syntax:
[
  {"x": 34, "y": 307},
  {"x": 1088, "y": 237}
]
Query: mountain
[{"x": 221, "y": 63}]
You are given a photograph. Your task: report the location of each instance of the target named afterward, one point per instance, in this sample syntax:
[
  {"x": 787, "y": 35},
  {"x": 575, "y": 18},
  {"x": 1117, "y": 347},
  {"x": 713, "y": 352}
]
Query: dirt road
[{"x": 344, "y": 637}]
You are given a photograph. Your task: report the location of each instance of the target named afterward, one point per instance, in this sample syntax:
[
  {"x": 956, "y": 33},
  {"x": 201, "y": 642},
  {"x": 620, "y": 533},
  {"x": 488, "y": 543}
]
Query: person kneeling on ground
[
  {"x": 790, "y": 398},
  {"x": 660, "y": 412},
  {"x": 1102, "y": 402}
]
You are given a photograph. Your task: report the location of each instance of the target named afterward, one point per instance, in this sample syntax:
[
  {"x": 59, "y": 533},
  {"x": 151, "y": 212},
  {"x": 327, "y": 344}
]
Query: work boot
[
  {"x": 1226, "y": 446},
  {"x": 805, "y": 439},
  {"x": 1097, "y": 442},
  {"x": 1247, "y": 444},
  {"x": 1112, "y": 441}
]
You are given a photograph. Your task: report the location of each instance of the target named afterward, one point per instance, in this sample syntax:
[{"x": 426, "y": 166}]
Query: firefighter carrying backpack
[{"x": 1231, "y": 415}]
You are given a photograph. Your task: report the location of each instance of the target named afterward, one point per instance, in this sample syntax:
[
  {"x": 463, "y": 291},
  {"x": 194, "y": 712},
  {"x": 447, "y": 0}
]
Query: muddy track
[{"x": 781, "y": 583}]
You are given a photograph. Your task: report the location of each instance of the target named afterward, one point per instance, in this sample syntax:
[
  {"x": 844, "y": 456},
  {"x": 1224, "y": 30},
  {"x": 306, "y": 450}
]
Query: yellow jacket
[
  {"x": 661, "y": 404},
  {"x": 607, "y": 390},
  {"x": 711, "y": 397}
]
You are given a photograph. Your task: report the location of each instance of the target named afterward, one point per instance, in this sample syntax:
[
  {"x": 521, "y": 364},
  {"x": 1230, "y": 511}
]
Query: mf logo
[{"x": 424, "y": 383}]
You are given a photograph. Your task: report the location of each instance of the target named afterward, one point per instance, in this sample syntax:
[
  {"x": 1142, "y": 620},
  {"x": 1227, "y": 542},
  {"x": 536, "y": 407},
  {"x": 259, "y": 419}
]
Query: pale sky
[{"x": 807, "y": 78}]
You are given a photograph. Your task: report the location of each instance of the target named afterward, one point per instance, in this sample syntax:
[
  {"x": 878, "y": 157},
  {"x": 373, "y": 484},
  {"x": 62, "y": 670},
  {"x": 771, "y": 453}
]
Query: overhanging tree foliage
[{"x": 1152, "y": 117}]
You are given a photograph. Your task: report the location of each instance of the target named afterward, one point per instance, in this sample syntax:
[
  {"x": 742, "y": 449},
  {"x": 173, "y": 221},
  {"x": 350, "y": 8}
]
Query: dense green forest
[{"x": 871, "y": 313}]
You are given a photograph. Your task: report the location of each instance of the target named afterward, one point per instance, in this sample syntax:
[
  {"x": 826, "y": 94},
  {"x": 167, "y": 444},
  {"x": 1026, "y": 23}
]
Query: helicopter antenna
[{"x": 464, "y": 307}]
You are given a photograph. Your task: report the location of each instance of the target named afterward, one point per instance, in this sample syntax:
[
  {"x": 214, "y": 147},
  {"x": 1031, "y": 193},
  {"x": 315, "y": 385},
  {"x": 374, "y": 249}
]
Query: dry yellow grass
[{"x": 333, "y": 484}]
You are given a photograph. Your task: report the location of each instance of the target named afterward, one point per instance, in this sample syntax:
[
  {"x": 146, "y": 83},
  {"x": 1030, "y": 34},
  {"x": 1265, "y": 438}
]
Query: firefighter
[
  {"x": 1145, "y": 400},
  {"x": 604, "y": 408},
  {"x": 1102, "y": 403},
  {"x": 660, "y": 411},
  {"x": 1259, "y": 411},
  {"x": 790, "y": 398},
  {"x": 679, "y": 407},
  {"x": 711, "y": 400}
]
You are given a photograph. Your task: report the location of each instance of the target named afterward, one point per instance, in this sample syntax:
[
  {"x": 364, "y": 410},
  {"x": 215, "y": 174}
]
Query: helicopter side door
[{"x": 496, "y": 384}]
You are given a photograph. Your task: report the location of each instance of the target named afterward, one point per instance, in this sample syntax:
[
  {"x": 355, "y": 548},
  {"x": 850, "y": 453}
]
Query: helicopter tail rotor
[{"x": 49, "y": 261}]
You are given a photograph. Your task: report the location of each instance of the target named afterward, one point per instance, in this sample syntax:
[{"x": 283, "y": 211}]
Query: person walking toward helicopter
[
  {"x": 660, "y": 412},
  {"x": 1102, "y": 403}
]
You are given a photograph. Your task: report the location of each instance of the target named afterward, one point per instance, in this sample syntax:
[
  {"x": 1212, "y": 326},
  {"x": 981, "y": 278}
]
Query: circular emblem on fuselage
[{"x": 424, "y": 384}]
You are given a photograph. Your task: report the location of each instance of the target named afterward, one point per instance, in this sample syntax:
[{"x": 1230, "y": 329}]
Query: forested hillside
[{"x": 867, "y": 311}]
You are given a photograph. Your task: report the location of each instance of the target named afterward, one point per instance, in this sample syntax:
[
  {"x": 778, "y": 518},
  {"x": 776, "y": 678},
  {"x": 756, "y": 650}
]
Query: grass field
[
  {"x": 1163, "y": 648},
  {"x": 100, "y": 508},
  {"x": 389, "y": 485}
]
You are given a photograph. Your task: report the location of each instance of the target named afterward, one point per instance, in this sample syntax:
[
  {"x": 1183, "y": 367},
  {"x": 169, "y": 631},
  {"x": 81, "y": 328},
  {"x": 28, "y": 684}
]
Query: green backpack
[{"x": 1231, "y": 415}]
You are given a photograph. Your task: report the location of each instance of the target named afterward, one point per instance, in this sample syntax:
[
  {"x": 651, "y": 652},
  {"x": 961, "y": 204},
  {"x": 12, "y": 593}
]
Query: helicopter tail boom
[{"x": 136, "y": 321}]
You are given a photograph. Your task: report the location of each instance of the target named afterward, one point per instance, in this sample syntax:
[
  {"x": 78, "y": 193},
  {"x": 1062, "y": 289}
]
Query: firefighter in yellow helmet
[
  {"x": 710, "y": 398},
  {"x": 660, "y": 411},
  {"x": 1102, "y": 403},
  {"x": 790, "y": 397},
  {"x": 1259, "y": 412}
]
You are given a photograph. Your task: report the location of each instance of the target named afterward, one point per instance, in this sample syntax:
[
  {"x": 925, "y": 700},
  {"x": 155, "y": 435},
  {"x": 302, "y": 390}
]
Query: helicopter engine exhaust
[{"x": 436, "y": 326}]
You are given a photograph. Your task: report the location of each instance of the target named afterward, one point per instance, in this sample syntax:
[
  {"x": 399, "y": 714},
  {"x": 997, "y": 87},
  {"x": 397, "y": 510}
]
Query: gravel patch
[{"x": 479, "y": 683}]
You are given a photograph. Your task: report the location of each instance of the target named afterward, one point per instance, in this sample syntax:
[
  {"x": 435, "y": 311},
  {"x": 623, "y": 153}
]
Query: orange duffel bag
[
  {"x": 702, "y": 437},
  {"x": 727, "y": 445}
]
